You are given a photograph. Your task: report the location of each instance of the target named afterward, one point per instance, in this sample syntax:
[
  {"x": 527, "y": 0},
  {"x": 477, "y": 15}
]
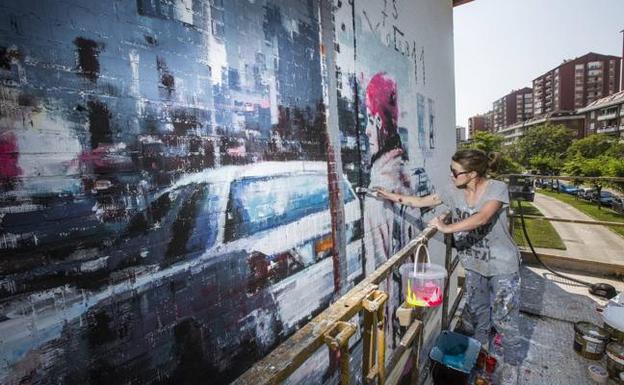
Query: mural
[
  {"x": 168, "y": 189},
  {"x": 389, "y": 126},
  {"x": 164, "y": 187}
]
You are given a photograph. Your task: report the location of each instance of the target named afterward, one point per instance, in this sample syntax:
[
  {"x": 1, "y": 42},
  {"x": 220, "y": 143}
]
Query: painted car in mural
[{"x": 211, "y": 267}]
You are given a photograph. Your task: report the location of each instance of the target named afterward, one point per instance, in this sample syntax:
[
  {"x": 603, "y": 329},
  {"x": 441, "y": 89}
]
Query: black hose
[
  {"x": 601, "y": 289},
  {"x": 526, "y": 236}
]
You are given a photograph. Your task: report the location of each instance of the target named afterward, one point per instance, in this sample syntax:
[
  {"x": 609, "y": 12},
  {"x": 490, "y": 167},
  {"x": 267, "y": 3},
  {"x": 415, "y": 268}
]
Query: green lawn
[
  {"x": 542, "y": 233},
  {"x": 591, "y": 209}
]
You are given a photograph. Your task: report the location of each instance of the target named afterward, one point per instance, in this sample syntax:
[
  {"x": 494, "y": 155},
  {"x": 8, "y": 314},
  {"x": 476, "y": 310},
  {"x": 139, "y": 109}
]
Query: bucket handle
[{"x": 417, "y": 254}]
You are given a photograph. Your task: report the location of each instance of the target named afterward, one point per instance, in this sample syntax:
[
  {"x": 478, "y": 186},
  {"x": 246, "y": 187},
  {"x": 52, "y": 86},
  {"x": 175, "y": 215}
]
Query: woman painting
[{"x": 486, "y": 250}]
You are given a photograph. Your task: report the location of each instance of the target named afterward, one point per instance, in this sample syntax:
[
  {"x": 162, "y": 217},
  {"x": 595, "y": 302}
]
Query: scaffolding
[{"x": 334, "y": 327}]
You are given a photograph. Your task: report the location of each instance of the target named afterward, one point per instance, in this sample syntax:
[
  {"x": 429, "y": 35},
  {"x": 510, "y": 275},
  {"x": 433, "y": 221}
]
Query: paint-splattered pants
[{"x": 495, "y": 301}]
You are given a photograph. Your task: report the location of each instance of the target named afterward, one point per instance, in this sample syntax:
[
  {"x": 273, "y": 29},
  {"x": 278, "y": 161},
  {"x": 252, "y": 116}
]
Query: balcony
[
  {"x": 609, "y": 116},
  {"x": 608, "y": 129}
]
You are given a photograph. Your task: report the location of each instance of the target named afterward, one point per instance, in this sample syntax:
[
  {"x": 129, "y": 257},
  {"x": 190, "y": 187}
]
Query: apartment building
[
  {"x": 570, "y": 120},
  {"x": 475, "y": 124},
  {"x": 576, "y": 83},
  {"x": 460, "y": 134},
  {"x": 481, "y": 122},
  {"x": 605, "y": 116},
  {"x": 514, "y": 107}
]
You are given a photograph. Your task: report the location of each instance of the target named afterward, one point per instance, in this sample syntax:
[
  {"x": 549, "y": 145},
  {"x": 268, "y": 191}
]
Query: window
[
  {"x": 195, "y": 226},
  {"x": 205, "y": 230},
  {"x": 262, "y": 203},
  {"x": 181, "y": 10},
  {"x": 348, "y": 195},
  {"x": 146, "y": 219},
  {"x": 217, "y": 11}
]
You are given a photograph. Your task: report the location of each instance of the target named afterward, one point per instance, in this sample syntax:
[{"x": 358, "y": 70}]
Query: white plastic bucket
[{"x": 423, "y": 283}]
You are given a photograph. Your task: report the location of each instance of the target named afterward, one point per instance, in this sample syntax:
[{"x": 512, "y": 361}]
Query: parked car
[
  {"x": 568, "y": 188},
  {"x": 586, "y": 192},
  {"x": 543, "y": 183},
  {"x": 521, "y": 188},
  {"x": 220, "y": 263},
  {"x": 618, "y": 205},
  {"x": 606, "y": 198}
]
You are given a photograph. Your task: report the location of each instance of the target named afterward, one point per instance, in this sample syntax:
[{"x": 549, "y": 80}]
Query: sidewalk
[{"x": 587, "y": 242}]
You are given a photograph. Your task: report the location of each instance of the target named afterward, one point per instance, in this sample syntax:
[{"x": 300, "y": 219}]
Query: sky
[{"x": 502, "y": 45}]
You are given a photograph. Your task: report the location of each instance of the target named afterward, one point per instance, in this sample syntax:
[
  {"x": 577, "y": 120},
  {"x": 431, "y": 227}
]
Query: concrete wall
[{"x": 177, "y": 178}]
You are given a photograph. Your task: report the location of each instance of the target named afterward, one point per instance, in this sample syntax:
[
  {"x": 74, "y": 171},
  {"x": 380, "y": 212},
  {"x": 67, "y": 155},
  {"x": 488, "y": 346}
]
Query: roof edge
[{"x": 460, "y": 2}]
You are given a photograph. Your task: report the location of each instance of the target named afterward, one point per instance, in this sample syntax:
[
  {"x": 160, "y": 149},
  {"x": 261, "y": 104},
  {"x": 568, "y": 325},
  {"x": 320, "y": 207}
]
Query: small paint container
[
  {"x": 598, "y": 374},
  {"x": 615, "y": 362},
  {"x": 613, "y": 317},
  {"x": 481, "y": 360},
  {"x": 453, "y": 358},
  {"x": 490, "y": 364},
  {"x": 590, "y": 340}
]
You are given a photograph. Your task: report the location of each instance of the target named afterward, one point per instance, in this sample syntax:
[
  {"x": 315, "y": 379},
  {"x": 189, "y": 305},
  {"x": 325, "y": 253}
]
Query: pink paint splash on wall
[
  {"x": 9, "y": 153},
  {"x": 381, "y": 100}
]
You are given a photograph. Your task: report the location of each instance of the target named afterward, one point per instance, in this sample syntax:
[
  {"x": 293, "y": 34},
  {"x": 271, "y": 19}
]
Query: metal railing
[
  {"x": 580, "y": 221},
  {"x": 564, "y": 177},
  {"x": 332, "y": 328}
]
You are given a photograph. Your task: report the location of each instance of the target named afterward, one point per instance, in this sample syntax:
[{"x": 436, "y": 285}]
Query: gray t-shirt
[{"x": 488, "y": 250}]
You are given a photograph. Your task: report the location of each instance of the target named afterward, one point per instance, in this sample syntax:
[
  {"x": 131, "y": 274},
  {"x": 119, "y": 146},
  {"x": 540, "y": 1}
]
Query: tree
[
  {"x": 546, "y": 164},
  {"x": 490, "y": 144},
  {"x": 616, "y": 150},
  {"x": 486, "y": 142},
  {"x": 613, "y": 167},
  {"x": 596, "y": 155},
  {"x": 591, "y": 146},
  {"x": 548, "y": 141}
]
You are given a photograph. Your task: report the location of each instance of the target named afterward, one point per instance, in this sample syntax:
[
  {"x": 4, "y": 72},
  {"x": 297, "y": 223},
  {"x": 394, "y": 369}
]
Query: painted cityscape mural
[{"x": 171, "y": 206}]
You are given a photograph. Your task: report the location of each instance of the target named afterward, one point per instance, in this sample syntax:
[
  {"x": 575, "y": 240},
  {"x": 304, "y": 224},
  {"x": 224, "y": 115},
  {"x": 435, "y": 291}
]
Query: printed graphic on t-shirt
[{"x": 472, "y": 244}]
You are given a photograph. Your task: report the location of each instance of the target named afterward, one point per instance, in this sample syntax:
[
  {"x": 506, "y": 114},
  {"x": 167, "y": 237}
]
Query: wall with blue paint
[{"x": 170, "y": 189}]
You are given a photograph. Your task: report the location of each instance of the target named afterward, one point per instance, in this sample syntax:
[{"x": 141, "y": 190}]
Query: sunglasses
[{"x": 456, "y": 174}]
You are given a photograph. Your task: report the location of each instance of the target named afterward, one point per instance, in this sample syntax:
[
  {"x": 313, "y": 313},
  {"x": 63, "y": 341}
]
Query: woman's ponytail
[{"x": 494, "y": 159}]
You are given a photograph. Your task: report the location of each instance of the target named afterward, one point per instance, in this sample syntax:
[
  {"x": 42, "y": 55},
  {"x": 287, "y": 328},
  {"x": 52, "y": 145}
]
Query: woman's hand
[
  {"x": 385, "y": 194},
  {"x": 434, "y": 199},
  {"x": 438, "y": 223}
]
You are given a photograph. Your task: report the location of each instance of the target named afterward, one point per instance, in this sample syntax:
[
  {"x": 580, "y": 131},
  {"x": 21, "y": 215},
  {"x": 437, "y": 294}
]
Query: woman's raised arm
[{"x": 408, "y": 200}]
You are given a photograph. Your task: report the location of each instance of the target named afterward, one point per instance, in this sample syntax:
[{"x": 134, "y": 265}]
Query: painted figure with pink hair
[
  {"x": 382, "y": 234},
  {"x": 384, "y": 222}
]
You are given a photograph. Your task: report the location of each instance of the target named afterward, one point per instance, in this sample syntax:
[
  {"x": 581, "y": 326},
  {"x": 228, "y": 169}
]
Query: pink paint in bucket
[{"x": 423, "y": 283}]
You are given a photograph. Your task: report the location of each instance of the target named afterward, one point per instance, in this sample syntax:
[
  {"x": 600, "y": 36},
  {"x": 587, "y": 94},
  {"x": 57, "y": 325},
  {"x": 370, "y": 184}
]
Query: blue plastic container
[{"x": 454, "y": 356}]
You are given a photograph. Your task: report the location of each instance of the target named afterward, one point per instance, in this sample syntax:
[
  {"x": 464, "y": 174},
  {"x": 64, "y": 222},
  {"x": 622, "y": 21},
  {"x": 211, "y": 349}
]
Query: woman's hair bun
[{"x": 494, "y": 160}]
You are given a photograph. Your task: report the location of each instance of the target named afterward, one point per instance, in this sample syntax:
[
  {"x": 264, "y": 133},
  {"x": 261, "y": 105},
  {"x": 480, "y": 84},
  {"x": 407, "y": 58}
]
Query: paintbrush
[{"x": 366, "y": 191}]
